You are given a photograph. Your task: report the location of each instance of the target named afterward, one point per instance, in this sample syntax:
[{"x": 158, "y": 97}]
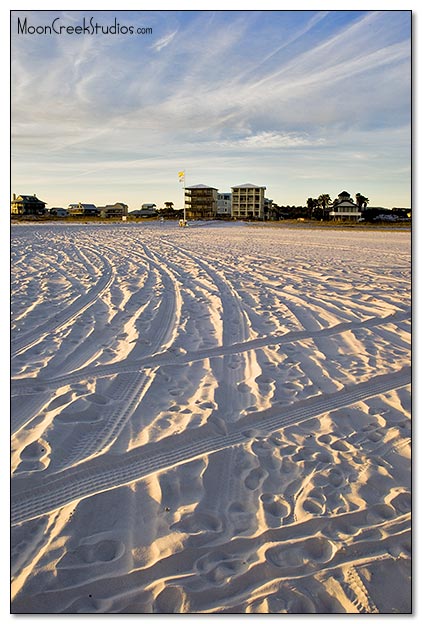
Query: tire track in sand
[
  {"x": 100, "y": 474},
  {"x": 29, "y": 385},
  {"x": 133, "y": 385},
  {"x": 82, "y": 302}
]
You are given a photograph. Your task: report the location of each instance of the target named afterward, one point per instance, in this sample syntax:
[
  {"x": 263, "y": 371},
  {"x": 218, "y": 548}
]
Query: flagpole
[
  {"x": 184, "y": 197},
  {"x": 182, "y": 178}
]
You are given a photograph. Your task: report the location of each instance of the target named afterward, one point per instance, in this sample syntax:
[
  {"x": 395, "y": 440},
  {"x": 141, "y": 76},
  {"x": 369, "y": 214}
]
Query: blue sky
[{"x": 302, "y": 102}]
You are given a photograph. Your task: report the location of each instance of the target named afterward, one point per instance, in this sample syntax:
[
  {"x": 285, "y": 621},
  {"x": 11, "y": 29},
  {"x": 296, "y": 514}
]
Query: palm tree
[
  {"x": 324, "y": 201},
  {"x": 169, "y": 205},
  {"x": 362, "y": 201},
  {"x": 311, "y": 204}
]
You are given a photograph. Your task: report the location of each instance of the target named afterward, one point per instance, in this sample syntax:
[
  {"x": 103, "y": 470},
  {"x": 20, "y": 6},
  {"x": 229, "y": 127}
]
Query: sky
[{"x": 302, "y": 102}]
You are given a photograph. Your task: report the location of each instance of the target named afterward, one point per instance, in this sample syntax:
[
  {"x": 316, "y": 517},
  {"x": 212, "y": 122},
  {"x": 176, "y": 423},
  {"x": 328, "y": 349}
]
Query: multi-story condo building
[
  {"x": 200, "y": 202},
  {"x": 224, "y": 204},
  {"x": 248, "y": 201}
]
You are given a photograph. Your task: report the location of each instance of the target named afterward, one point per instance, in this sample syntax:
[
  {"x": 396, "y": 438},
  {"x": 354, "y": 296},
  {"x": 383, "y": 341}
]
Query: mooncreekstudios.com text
[{"x": 88, "y": 27}]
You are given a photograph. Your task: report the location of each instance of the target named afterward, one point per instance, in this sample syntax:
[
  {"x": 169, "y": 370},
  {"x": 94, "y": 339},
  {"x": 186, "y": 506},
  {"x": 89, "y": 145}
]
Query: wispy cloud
[
  {"x": 271, "y": 141},
  {"x": 164, "y": 41},
  {"x": 211, "y": 87}
]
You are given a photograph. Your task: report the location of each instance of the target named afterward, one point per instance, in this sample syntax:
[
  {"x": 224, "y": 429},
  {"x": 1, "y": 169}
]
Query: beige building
[
  {"x": 200, "y": 202},
  {"x": 248, "y": 201},
  {"x": 83, "y": 210},
  {"x": 114, "y": 211}
]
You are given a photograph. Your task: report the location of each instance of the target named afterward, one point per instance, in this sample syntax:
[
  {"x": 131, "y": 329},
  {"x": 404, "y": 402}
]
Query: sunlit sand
[{"x": 210, "y": 420}]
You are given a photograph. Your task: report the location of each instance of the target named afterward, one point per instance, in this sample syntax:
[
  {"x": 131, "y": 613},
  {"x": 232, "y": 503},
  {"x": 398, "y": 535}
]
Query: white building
[
  {"x": 248, "y": 201},
  {"x": 344, "y": 209}
]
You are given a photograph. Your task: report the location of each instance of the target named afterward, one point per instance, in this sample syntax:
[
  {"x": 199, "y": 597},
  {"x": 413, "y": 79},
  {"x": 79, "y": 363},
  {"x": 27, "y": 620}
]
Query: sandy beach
[{"x": 210, "y": 420}]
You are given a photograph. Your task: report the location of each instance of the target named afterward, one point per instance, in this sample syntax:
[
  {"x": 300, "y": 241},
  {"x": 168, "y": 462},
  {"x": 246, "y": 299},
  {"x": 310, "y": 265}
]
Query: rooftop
[
  {"x": 81, "y": 205},
  {"x": 244, "y": 186},
  {"x": 28, "y": 198},
  {"x": 346, "y": 202},
  {"x": 200, "y": 186}
]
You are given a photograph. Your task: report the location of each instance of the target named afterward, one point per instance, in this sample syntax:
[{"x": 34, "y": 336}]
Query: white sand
[{"x": 210, "y": 420}]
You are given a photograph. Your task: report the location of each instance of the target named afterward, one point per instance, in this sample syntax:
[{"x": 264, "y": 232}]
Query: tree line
[{"x": 320, "y": 207}]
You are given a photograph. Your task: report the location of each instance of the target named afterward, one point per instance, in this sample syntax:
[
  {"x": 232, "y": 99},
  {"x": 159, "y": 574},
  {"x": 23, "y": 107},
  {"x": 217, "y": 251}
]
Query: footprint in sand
[
  {"x": 98, "y": 399},
  {"x": 262, "y": 446},
  {"x": 380, "y": 513},
  {"x": 169, "y": 600},
  {"x": 301, "y": 604},
  {"x": 264, "y": 380},
  {"x": 323, "y": 456},
  {"x": 34, "y": 457},
  {"x": 174, "y": 408},
  {"x": 217, "y": 567},
  {"x": 314, "y": 507},
  {"x": 341, "y": 527},
  {"x": 339, "y": 445},
  {"x": 241, "y": 518},
  {"x": 302, "y": 553},
  {"x": 275, "y": 508},
  {"x": 336, "y": 478},
  {"x": 198, "y": 522},
  {"x": 255, "y": 478},
  {"x": 89, "y": 604},
  {"x": 101, "y": 552},
  {"x": 303, "y": 454},
  {"x": 176, "y": 392},
  {"x": 60, "y": 400},
  {"x": 81, "y": 410},
  {"x": 402, "y": 502},
  {"x": 370, "y": 535},
  {"x": 87, "y": 416}
]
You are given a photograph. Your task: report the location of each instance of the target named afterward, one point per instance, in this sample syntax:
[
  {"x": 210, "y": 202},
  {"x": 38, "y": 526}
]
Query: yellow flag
[{"x": 181, "y": 176}]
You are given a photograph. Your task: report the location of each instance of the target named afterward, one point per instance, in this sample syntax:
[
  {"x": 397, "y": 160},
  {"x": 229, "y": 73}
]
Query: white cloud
[
  {"x": 210, "y": 89},
  {"x": 272, "y": 140},
  {"x": 164, "y": 41}
]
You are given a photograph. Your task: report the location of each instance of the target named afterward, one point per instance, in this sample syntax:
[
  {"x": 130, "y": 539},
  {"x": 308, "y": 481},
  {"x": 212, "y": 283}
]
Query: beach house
[
  {"x": 114, "y": 211},
  {"x": 27, "y": 205},
  {"x": 57, "y": 211},
  {"x": 147, "y": 210},
  {"x": 83, "y": 210},
  {"x": 344, "y": 208},
  {"x": 248, "y": 201}
]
